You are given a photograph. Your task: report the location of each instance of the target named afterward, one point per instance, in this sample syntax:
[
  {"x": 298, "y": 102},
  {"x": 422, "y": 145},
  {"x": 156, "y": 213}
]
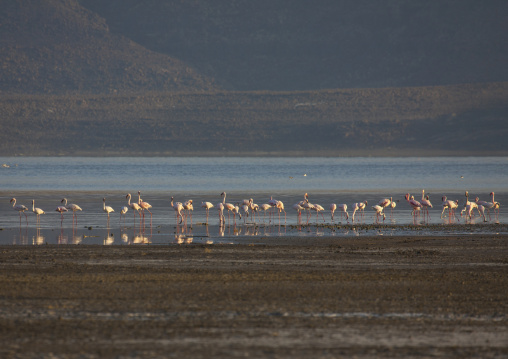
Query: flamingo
[
  {"x": 37, "y": 211},
  {"x": 188, "y": 207},
  {"x": 253, "y": 210},
  {"x": 178, "y": 207},
  {"x": 61, "y": 210},
  {"x": 228, "y": 206},
  {"x": 472, "y": 205},
  {"x": 379, "y": 211},
  {"x": 362, "y": 206},
  {"x": 308, "y": 207},
  {"x": 222, "y": 219},
  {"x": 236, "y": 211},
  {"x": 342, "y": 207},
  {"x": 245, "y": 208},
  {"x": 247, "y": 202},
  {"x": 481, "y": 209},
  {"x": 451, "y": 205},
  {"x": 73, "y": 207},
  {"x": 106, "y": 209},
  {"x": 489, "y": 205},
  {"x": 21, "y": 209},
  {"x": 385, "y": 202},
  {"x": 144, "y": 205},
  {"x": 279, "y": 205},
  {"x": 392, "y": 206},
  {"x": 356, "y": 207},
  {"x": 333, "y": 207},
  {"x": 425, "y": 202},
  {"x": 298, "y": 208},
  {"x": 265, "y": 207},
  {"x": 318, "y": 208},
  {"x": 206, "y": 206},
  {"x": 122, "y": 212},
  {"x": 134, "y": 206},
  {"x": 415, "y": 205}
]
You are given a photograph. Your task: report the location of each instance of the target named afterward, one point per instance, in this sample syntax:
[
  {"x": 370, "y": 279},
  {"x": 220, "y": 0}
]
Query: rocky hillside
[{"x": 59, "y": 47}]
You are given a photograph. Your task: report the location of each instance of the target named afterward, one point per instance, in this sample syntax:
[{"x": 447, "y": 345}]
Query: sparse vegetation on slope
[{"x": 452, "y": 119}]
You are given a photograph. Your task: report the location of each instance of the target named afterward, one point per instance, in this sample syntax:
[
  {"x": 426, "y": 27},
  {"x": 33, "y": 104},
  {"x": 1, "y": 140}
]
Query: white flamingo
[
  {"x": 236, "y": 211},
  {"x": 37, "y": 212},
  {"x": 122, "y": 212},
  {"x": 425, "y": 202},
  {"x": 21, "y": 209},
  {"x": 379, "y": 211},
  {"x": 265, "y": 207},
  {"x": 178, "y": 207},
  {"x": 245, "y": 209},
  {"x": 318, "y": 208},
  {"x": 206, "y": 206},
  {"x": 188, "y": 208},
  {"x": 106, "y": 209},
  {"x": 134, "y": 206},
  {"x": 72, "y": 207},
  {"x": 333, "y": 207},
  {"x": 342, "y": 207},
  {"x": 222, "y": 218},
  {"x": 392, "y": 206},
  {"x": 450, "y": 205}
]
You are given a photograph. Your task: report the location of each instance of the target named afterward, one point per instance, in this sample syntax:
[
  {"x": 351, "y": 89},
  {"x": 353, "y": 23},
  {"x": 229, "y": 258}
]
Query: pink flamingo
[
  {"x": 298, "y": 208},
  {"x": 144, "y": 205},
  {"x": 228, "y": 206},
  {"x": 385, "y": 202},
  {"x": 308, "y": 208},
  {"x": 61, "y": 210},
  {"x": 415, "y": 205},
  {"x": 73, "y": 207},
  {"x": 20, "y": 208}
]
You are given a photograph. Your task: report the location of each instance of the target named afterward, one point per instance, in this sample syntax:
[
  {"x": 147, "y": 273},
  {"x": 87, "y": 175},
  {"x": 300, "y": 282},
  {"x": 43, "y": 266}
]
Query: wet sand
[{"x": 299, "y": 297}]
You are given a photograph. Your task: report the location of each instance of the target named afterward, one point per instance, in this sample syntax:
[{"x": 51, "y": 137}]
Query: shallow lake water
[{"x": 85, "y": 181}]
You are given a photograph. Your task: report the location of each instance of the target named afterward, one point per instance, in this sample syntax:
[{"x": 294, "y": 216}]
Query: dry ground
[{"x": 319, "y": 297}]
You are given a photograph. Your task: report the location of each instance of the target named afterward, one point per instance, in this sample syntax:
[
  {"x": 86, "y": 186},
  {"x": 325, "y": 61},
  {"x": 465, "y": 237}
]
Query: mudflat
[{"x": 322, "y": 297}]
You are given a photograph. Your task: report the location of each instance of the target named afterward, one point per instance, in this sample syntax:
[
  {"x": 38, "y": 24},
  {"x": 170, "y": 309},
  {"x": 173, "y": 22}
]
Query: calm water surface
[
  {"x": 86, "y": 181},
  {"x": 202, "y": 175}
]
